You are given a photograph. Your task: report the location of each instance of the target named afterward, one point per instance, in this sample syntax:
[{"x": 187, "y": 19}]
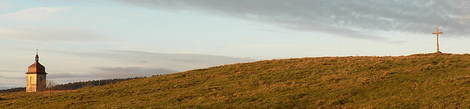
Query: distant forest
[{"x": 76, "y": 85}]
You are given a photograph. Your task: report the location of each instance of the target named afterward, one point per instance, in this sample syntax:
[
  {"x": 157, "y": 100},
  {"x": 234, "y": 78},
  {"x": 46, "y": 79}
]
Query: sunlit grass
[{"x": 425, "y": 80}]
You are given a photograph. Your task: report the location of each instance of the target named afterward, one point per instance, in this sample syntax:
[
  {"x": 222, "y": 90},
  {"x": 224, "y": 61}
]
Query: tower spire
[{"x": 37, "y": 55}]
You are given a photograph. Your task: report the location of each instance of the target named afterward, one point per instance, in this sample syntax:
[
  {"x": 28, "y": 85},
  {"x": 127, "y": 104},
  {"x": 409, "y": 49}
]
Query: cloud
[
  {"x": 4, "y": 87},
  {"x": 4, "y": 70},
  {"x": 7, "y": 74},
  {"x": 349, "y": 18},
  {"x": 168, "y": 58},
  {"x": 7, "y": 86},
  {"x": 10, "y": 80},
  {"x": 171, "y": 61},
  {"x": 10, "y": 77},
  {"x": 55, "y": 75},
  {"x": 105, "y": 73},
  {"x": 4, "y": 5},
  {"x": 124, "y": 63},
  {"x": 34, "y": 14},
  {"x": 126, "y": 72},
  {"x": 22, "y": 25},
  {"x": 49, "y": 34}
]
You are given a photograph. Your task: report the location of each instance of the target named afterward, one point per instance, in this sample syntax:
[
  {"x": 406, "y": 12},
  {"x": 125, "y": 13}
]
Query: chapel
[{"x": 36, "y": 77}]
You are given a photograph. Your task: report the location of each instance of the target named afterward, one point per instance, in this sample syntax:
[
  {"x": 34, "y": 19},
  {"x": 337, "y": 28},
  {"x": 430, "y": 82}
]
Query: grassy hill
[{"x": 416, "y": 81}]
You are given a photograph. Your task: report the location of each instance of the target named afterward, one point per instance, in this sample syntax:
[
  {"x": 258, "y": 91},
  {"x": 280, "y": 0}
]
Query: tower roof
[{"x": 36, "y": 67}]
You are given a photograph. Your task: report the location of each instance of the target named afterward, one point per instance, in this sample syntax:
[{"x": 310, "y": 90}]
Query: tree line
[{"x": 51, "y": 85}]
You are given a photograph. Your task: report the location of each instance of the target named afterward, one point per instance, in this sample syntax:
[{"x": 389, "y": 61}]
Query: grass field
[{"x": 416, "y": 81}]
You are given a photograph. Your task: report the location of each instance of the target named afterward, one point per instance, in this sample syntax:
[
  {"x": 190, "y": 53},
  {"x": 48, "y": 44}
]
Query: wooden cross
[{"x": 437, "y": 39}]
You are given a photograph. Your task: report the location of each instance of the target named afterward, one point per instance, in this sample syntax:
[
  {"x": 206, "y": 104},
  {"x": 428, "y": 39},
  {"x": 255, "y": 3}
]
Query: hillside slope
[{"x": 425, "y": 80}]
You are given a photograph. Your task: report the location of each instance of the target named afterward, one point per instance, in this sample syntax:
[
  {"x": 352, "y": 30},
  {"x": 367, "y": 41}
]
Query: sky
[{"x": 81, "y": 40}]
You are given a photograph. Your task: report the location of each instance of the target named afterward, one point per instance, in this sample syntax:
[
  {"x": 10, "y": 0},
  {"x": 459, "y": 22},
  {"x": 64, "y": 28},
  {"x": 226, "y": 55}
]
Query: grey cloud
[
  {"x": 6, "y": 74},
  {"x": 9, "y": 77},
  {"x": 349, "y": 18},
  {"x": 4, "y": 70},
  {"x": 66, "y": 75},
  {"x": 4, "y": 86},
  {"x": 182, "y": 58},
  {"x": 126, "y": 72},
  {"x": 111, "y": 72},
  {"x": 172, "y": 61}
]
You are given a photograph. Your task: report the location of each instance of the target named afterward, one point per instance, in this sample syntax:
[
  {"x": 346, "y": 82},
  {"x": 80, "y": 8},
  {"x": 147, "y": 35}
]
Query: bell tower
[{"x": 36, "y": 76}]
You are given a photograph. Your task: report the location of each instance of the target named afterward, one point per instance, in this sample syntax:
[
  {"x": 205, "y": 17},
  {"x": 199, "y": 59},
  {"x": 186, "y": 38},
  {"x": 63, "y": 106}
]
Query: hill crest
[{"x": 422, "y": 80}]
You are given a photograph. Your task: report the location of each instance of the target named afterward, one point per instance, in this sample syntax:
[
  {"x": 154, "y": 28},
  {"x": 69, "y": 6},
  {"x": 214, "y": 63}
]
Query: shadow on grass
[{"x": 1, "y": 99}]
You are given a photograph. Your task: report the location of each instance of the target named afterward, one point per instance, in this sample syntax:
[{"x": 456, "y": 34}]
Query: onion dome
[{"x": 36, "y": 67}]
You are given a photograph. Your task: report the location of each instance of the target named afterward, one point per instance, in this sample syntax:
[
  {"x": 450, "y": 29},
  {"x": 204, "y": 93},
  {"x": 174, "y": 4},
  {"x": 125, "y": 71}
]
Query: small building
[{"x": 36, "y": 77}]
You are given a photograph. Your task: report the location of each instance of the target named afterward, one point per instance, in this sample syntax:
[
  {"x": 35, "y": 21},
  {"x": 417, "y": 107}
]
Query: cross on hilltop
[{"x": 437, "y": 39}]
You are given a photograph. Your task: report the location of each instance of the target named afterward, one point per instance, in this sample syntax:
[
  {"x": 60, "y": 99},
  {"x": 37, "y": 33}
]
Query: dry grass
[{"x": 416, "y": 81}]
